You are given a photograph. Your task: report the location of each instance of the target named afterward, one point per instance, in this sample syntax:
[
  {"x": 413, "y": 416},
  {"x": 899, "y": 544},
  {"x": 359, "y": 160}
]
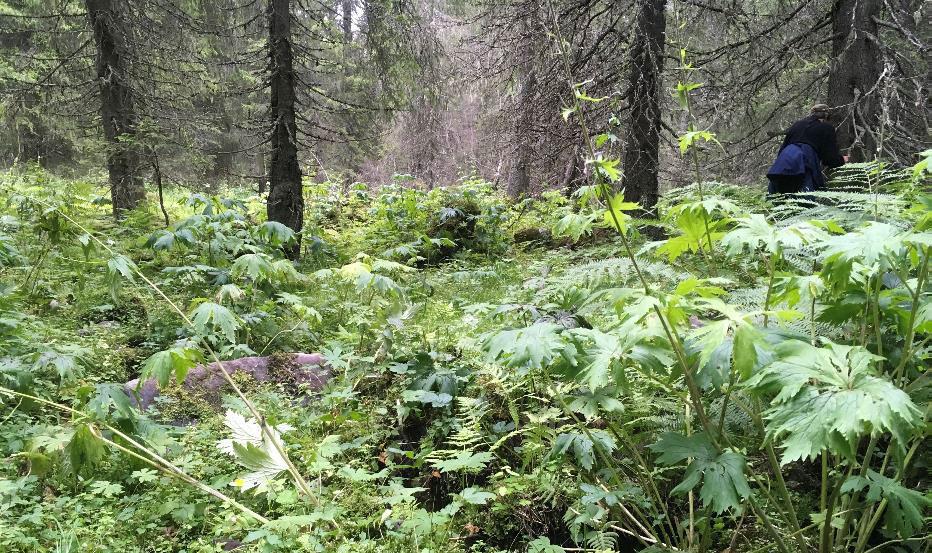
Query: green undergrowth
[{"x": 728, "y": 375}]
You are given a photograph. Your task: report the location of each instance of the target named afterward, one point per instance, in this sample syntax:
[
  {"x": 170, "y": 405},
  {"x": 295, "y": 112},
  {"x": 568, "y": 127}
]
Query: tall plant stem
[
  {"x": 602, "y": 186},
  {"x": 875, "y": 308},
  {"x": 705, "y": 216},
  {"x": 143, "y": 453},
  {"x": 913, "y": 310},
  {"x": 692, "y": 515},
  {"x": 771, "y": 272},
  {"x": 850, "y": 503},
  {"x": 781, "y": 545},
  {"x": 695, "y": 155},
  {"x": 783, "y": 492},
  {"x": 609, "y": 464},
  {"x": 823, "y": 489},
  {"x": 812, "y": 330},
  {"x": 647, "y": 482},
  {"x": 825, "y": 542},
  {"x": 869, "y": 523}
]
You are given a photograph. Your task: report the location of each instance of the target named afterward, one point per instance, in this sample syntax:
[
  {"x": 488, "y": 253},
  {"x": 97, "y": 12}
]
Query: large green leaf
[
  {"x": 592, "y": 403},
  {"x": 724, "y": 485},
  {"x": 173, "y": 361},
  {"x": 110, "y": 398},
  {"x": 599, "y": 355},
  {"x": 755, "y": 232},
  {"x": 255, "y": 266},
  {"x": 744, "y": 351},
  {"x": 274, "y": 233},
  {"x": 253, "y": 450},
  {"x": 876, "y": 247},
  {"x": 582, "y": 446},
  {"x": 905, "y": 507},
  {"x": 119, "y": 268},
  {"x": 574, "y": 225},
  {"x": 85, "y": 450},
  {"x": 543, "y": 545},
  {"x": 464, "y": 461},
  {"x": 827, "y": 397},
  {"x": 210, "y": 316},
  {"x": 532, "y": 347}
]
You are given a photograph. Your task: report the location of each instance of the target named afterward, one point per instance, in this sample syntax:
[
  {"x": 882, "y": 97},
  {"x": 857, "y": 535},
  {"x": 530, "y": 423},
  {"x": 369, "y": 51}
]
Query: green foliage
[
  {"x": 176, "y": 361},
  {"x": 904, "y": 516},
  {"x": 253, "y": 450},
  {"x": 826, "y": 397},
  {"x": 724, "y": 485},
  {"x": 484, "y": 402},
  {"x": 209, "y": 318},
  {"x": 533, "y": 347},
  {"x": 583, "y": 446}
]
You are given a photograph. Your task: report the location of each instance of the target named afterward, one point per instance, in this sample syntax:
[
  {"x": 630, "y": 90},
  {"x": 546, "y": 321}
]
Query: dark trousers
[{"x": 785, "y": 184}]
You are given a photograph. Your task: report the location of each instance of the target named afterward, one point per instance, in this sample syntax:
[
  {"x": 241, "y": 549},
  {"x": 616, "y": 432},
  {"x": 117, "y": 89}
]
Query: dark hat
[{"x": 821, "y": 110}]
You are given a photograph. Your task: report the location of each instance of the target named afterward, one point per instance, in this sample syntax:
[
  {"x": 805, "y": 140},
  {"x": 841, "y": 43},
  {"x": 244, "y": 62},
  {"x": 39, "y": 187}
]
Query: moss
[
  {"x": 281, "y": 367},
  {"x": 180, "y": 405},
  {"x": 244, "y": 381}
]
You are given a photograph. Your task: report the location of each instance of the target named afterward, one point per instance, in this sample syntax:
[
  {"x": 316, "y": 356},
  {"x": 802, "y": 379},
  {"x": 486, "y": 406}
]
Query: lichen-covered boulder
[{"x": 207, "y": 381}]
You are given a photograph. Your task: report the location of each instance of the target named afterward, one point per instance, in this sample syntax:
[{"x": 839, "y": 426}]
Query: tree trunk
[
  {"x": 347, "y": 22},
  {"x": 520, "y": 181},
  {"x": 285, "y": 203},
  {"x": 642, "y": 141},
  {"x": 854, "y": 75},
  {"x": 570, "y": 182},
  {"x": 117, "y": 107}
]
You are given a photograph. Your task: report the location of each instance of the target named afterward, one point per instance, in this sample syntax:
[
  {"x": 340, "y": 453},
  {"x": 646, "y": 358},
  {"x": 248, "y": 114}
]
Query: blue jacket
[{"x": 799, "y": 160}]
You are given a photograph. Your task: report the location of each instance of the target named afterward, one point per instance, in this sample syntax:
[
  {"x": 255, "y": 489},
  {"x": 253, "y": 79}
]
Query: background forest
[{"x": 461, "y": 275}]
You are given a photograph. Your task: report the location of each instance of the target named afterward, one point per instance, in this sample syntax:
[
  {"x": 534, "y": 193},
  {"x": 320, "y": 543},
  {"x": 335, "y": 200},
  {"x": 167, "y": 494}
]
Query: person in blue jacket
[{"x": 809, "y": 144}]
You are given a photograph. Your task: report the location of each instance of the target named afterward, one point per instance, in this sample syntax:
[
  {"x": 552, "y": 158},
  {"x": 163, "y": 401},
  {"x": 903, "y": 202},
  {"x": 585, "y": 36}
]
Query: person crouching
[{"x": 809, "y": 144}]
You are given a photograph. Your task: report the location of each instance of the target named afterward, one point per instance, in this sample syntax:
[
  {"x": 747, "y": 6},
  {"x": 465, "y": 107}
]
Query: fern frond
[{"x": 469, "y": 435}]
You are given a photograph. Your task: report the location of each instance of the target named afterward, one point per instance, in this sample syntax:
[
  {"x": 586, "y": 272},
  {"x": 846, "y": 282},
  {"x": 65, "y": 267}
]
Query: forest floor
[{"x": 437, "y": 431}]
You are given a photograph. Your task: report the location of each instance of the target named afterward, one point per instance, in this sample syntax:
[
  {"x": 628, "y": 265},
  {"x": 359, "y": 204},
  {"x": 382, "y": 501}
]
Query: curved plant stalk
[
  {"x": 670, "y": 332},
  {"x": 267, "y": 431},
  {"x": 646, "y": 482},
  {"x": 868, "y": 523},
  {"x": 605, "y": 190},
  {"x": 142, "y": 453},
  {"x": 648, "y": 538},
  {"x": 913, "y": 310},
  {"x": 692, "y": 514}
]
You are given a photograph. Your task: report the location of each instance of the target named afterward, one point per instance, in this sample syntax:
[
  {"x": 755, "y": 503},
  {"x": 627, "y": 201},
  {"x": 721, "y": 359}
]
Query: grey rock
[{"x": 207, "y": 381}]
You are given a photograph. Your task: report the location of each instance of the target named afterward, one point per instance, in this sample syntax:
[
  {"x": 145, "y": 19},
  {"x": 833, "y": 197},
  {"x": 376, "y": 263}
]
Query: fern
[
  {"x": 613, "y": 272},
  {"x": 469, "y": 435},
  {"x": 602, "y": 539}
]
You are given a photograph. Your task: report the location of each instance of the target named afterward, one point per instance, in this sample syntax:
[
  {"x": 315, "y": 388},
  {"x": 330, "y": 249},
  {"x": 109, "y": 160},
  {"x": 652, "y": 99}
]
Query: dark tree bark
[
  {"x": 854, "y": 75},
  {"x": 519, "y": 183},
  {"x": 117, "y": 105},
  {"x": 642, "y": 140},
  {"x": 285, "y": 203},
  {"x": 347, "y": 21}
]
